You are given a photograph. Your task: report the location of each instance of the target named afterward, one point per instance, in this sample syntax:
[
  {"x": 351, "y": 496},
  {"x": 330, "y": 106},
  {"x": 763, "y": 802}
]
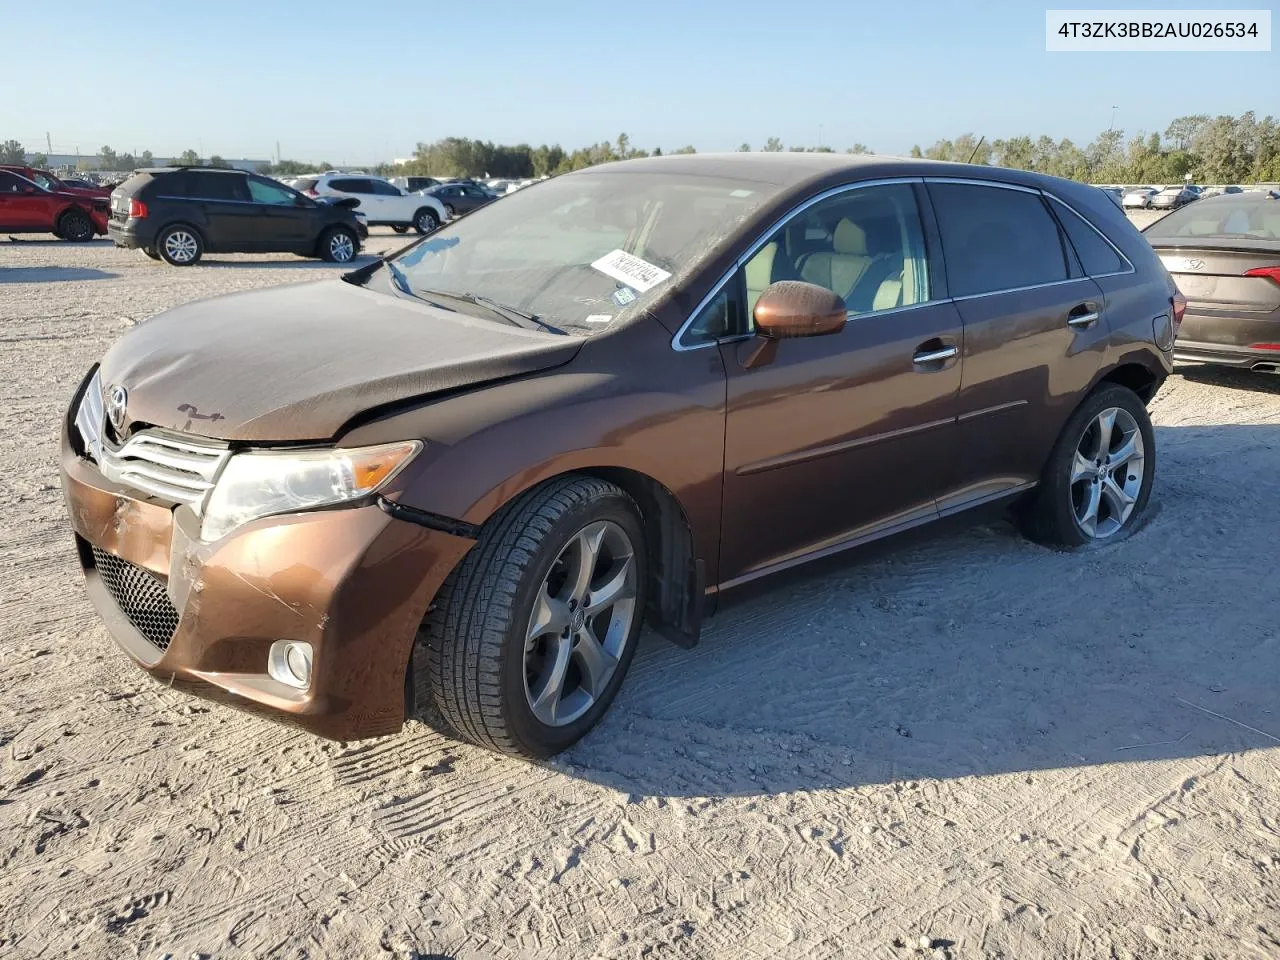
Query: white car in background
[
  {"x": 1138, "y": 198},
  {"x": 382, "y": 202}
]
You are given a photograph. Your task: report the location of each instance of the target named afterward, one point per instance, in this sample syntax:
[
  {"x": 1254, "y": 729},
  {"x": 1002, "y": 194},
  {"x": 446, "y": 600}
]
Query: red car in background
[
  {"x": 27, "y": 207},
  {"x": 49, "y": 181}
]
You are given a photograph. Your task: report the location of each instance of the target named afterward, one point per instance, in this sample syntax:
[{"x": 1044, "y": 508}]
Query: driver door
[{"x": 840, "y": 438}]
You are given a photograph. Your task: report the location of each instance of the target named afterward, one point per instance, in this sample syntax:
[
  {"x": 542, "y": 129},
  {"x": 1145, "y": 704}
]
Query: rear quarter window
[
  {"x": 1097, "y": 256},
  {"x": 996, "y": 239}
]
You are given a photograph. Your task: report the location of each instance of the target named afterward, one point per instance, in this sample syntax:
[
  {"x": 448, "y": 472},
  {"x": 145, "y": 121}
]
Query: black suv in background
[{"x": 177, "y": 214}]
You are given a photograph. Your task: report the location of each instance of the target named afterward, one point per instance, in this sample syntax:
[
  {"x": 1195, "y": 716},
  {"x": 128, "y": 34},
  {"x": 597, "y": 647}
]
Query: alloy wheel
[
  {"x": 181, "y": 246},
  {"x": 580, "y": 623},
  {"x": 426, "y": 223},
  {"x": 1107, "y": 473},
  {"x": 341, "y": 249}
]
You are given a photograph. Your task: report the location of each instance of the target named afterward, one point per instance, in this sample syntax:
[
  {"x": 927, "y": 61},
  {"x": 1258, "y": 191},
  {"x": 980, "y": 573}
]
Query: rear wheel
[
  {"x": 449, "y": 211},
  {"x": 1098, "y": 479},
  {"x": 531, "y": 635},
  {"x": 75, "y": 225},
  {"x": 425, "y": 220},
  {"x": 400, "y": 229},
  {"x": 338, "y": 245},
  {"x": 180, "y": 245}
]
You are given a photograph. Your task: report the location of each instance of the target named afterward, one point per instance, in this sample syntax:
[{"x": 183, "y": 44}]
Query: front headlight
[{"x": 254, "y": 485}]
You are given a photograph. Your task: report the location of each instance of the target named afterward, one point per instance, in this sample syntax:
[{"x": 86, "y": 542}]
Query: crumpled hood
[{"x": 297, "y": 362}]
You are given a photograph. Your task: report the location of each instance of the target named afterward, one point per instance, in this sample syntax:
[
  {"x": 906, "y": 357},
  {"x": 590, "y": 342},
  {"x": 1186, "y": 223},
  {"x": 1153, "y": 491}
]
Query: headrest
[{"x": 849, "y": 239}]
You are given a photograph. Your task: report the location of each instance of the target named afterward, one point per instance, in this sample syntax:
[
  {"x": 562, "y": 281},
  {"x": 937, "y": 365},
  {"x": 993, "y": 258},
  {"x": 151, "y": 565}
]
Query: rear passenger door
[
  {"x": 233, "y": 220},
  {"x": 1035, "y": 330},
  {"x": 362, "y": 189}
]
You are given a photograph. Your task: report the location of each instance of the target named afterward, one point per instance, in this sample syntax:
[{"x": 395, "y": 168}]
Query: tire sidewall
[
  {"x": 1058, "y": 479},
  {"x": 164, "y": 254},
  {"x": 537, "y": 737}
]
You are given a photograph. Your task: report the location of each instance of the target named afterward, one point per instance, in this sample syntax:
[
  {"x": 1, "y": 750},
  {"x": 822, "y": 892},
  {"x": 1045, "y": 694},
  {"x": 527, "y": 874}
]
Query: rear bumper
[
  {"x": 1242, "y": 357},
  {"x": 354, "y": 583},
  {"x": 131, "y": 233}
]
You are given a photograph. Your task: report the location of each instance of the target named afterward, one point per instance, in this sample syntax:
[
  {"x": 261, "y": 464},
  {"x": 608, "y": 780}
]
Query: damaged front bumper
[{"x": 354, "y": 583}]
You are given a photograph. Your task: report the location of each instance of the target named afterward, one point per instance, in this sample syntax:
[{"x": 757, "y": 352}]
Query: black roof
[{"x": 194, "y": 166}]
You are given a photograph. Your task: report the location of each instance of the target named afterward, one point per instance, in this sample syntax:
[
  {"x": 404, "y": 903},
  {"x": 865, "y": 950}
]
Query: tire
[
  {"x": 151, "y": 252},
  {"x": 180, "y": 245},
  {"x": 338, "y": 245},
  {"x": 75, "y": 226},
  {"x": 449, "y": 211},
  {"x": 425, "y": 220},
  {"x": 485, "y": 675},
  {"x": 1081, "y": 502},
  {"x": 400, "y": 229}
]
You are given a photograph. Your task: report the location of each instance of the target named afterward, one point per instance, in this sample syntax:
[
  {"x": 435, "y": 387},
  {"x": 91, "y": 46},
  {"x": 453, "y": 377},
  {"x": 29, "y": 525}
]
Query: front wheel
[
  {"x": 1097, "y": 482},
  {"x": 530, "y": 637},
  {"x": 151, "y": 252},
  {"x": 338, "y": 245},
  {"x": 75, "y": 225},
  {"x": 400, "y": 229}
]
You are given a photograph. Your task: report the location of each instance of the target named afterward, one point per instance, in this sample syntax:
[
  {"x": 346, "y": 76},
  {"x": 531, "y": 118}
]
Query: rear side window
[
  {"x": 10, "y": 183},
  {"x": 996, "y": 239},
  {"x": 350, "y": 185},
  {"x": 216, "y": 186},
  {"x": 1096, "y": 255}
]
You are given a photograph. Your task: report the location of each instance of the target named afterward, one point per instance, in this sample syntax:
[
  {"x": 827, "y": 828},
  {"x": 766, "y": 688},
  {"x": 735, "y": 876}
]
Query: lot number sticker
[{"x": 639, "y": 274}]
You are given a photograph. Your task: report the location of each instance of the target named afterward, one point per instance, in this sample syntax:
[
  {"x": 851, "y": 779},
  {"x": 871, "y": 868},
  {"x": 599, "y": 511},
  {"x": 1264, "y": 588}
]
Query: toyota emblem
[
  {"x": 1193, "y": 264},
  {"x": 117, "y": 402}
]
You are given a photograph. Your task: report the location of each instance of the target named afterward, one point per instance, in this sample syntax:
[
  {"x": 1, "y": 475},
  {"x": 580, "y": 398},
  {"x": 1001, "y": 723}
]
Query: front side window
[
  {"x": 865, "y": 244},
  {"x": 263, "y": 191},
  {"x": 587, "y": 249},
  {"x": 995, "y": 238},
  {"x": 384, "y": 189},
  {"x": 44, "y": 182}
]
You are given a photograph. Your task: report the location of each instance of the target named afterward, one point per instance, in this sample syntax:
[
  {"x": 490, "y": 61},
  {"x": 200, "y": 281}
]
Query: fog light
[{"x": 289, "y": 661}]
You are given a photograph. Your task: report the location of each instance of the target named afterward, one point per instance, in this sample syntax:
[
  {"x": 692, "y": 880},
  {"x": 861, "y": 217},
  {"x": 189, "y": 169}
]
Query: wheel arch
[{"x": 1138, "y": 377}]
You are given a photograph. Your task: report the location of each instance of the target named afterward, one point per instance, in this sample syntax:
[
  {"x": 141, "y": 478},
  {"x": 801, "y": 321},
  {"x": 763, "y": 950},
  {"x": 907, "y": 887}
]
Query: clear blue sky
[{"x": 233, "y": 77}]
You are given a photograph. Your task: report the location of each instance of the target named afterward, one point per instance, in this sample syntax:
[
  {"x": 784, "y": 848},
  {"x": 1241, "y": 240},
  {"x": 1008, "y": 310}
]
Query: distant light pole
[{"x": 1113, "y": 118}]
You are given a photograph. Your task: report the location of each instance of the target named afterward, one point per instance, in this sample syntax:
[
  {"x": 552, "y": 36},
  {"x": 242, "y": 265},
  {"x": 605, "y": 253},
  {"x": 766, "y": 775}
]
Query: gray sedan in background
[{"x": 1224, "y": 255}]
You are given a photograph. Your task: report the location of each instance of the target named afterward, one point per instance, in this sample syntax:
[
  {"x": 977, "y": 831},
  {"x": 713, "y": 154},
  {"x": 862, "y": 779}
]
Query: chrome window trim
[
  {"x": 677, "y": 338},
  {"x": 998, "y": 184},
  {"x": 1106, "y": 239},
  {"x": 1032, "y": 286}
]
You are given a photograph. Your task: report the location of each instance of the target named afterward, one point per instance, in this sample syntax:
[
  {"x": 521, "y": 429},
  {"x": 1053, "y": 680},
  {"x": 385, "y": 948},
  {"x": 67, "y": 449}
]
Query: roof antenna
[{"x": 976, "y": 149}]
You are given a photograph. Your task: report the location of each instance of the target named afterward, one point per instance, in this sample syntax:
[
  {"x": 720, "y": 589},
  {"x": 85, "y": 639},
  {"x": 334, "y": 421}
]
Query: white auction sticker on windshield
[
  {"x": 638, "y": 274},
  {"x": 599, "y": 318}
]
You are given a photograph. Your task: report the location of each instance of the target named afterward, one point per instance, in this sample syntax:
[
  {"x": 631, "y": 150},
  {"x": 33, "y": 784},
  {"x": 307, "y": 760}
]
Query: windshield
[
  {"x": 1234, "y": 215},
  {"x": 584, "y": 249}
]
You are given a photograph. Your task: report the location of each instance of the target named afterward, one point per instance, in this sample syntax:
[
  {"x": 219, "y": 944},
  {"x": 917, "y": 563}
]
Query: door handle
[
  {"x": 1083, "y": 316},
  {"x": 934, "y": 356}
]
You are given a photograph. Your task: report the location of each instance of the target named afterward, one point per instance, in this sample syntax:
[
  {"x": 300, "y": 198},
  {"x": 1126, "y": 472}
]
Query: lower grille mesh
[{"x": 140, "y": 595}]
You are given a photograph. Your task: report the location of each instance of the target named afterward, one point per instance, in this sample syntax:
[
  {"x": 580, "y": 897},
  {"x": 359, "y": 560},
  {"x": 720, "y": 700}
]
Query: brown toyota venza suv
[{"x": 473, "y": 470}]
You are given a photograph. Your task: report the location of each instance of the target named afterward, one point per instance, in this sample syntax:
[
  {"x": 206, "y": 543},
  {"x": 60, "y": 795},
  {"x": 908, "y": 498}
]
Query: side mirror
[{"x": 794, "y": 308}]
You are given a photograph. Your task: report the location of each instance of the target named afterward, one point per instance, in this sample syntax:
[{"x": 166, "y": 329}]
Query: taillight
[
  {"x": 1264, "y": 346},
  {"x": 137, "y": 209},
  {"x": 1179, "y": 303},
  {"x": 1271, "y": 273}
]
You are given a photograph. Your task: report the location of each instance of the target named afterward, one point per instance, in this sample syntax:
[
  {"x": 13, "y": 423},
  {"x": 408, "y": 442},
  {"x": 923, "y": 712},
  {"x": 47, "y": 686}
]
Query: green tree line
[{"x": 1222, "y": 149}]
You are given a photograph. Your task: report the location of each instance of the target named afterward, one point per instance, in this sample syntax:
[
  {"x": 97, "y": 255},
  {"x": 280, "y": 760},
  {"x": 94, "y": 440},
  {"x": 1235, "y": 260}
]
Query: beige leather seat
[
  {"x": 848, "y": 260},
  {"x": 759, "y": 274}
]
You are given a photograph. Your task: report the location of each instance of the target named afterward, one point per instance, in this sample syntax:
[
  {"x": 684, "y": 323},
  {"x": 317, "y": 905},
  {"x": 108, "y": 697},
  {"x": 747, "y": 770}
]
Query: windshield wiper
[
  {"x": 510, "y": 312},
  {"x": 519, "y": 318}
]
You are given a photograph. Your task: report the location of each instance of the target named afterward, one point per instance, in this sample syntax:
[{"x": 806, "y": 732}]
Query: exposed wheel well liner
[{"x": 1138, "y": 378}]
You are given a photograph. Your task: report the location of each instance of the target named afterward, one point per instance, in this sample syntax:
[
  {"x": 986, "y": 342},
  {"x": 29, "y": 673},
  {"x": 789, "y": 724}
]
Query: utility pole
[
  {"x": 48, "y": 143},
  {"x": 277, "y": 153}
]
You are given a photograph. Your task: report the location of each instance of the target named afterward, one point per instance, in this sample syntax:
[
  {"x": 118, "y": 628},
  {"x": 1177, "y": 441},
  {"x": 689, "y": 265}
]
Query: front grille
[
  {"x": 140, "y": 595},
  {"x": 175, "y": 467}
]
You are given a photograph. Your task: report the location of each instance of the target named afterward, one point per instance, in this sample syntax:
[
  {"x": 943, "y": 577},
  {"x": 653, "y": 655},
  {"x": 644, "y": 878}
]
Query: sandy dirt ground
[{"x": 958, "y": 746}]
